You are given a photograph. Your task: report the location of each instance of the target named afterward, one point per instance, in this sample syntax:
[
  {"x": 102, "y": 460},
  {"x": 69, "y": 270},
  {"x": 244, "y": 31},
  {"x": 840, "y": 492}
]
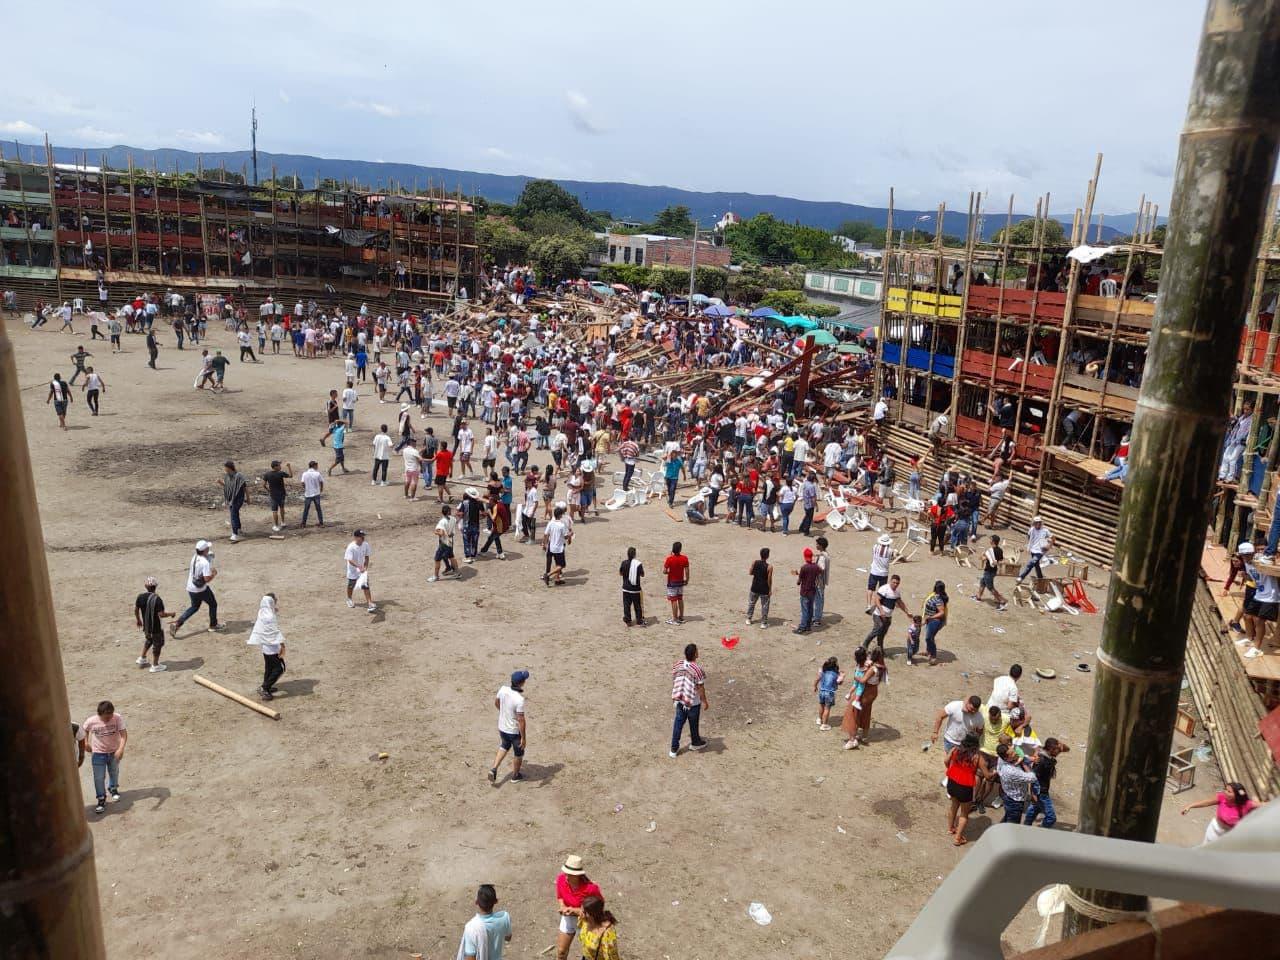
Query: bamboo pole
[
  {"x": 133, "y": 216},
  {"x": 884, "y": 298},
  {"x": 1227, "y": 157},
  {"x": 975, "y": 207},
  {"x": 106, "y": 211},
  {"x": 53, "y": 215},
  {"x": 49, "y": 897},
  {"x": 238, "y": 698},
  {"x": 204, "y": 222}
]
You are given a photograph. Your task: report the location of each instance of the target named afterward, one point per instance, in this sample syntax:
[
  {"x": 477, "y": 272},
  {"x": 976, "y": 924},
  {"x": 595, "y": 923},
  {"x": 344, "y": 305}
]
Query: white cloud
[
  {"x": 97, "y": 135},
  {"x": 204, "y": 138},
  {"x": 497, "y": 152},
  {"x": 284, "y": 97},
  {"x": 374, "y": 107},
  {"x": 580, "y": 113},
  {"x": 20, "y": 127}
]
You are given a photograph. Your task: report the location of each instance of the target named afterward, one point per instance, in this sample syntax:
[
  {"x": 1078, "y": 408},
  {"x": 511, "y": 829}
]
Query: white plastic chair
[
  {"x": 836, "y": 520},
  {"x": 635, "y": 497},
  {"x": 616, "y": 499}
]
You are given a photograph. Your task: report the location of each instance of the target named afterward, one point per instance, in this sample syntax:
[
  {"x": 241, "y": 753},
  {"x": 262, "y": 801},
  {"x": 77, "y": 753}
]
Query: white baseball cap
[
  {"x": 202, "y": 545},
  {"x": 1245, "y": 549}
]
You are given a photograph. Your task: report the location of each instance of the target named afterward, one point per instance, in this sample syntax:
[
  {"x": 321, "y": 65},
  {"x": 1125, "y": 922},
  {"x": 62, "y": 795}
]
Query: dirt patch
[{"x": 207, "y": 445}]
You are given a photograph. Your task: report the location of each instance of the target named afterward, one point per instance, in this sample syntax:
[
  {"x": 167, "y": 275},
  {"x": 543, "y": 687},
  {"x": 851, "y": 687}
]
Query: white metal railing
[{"x": 964, "y": 918}]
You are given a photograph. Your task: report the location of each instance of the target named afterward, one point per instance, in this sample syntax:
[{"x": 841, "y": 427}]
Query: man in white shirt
[
  {"x": 555, "y": 538},
  {"x": 466, "y": 443},
  {"x": 358, "y": 558},
  {"x": 312, "y": 487},
  {"x": 1038, "y": 540},
  {"x": 1005, "y": 695},
  {"x": 999, "y": 488},
  {"x": 511, "y": 725},
  {"x": 831, "y": 457},
  {"x": 412, "y": 469},
  {"x": 381, "y": 455},
  {"x": 881, "y": 411},
  {"x": 882, "y": 555},
  {"x": 200, "y": 573},
  {"x": 349, "y": 398},
  {"x": 445, "y": 529}
]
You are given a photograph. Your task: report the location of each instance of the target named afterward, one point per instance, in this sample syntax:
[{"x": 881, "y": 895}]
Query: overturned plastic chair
[
  {"x": 837, "y": 520},
  {"x": 617, "y": 499},
  {"x": 635, "y": 497},
  {"x": 859, "y": 520}
]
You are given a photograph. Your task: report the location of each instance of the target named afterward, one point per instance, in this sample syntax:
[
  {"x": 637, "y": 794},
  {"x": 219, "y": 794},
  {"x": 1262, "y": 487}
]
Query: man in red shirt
[
  {"x": 676, "y": 567},
  {"x": 807, "y": 578},
  {"x": 443, "y": 466}
]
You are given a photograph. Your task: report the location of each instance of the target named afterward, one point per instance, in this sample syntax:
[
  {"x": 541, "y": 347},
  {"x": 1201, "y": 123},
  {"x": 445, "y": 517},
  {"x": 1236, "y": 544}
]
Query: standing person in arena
[
  {"x": 358, "y": 557},
  {"x": 632, "y": 572},
  {"x": 200, "y": 573},
  {"x": 807, "y": 578},
  {"x": 60, "y": 397},
  {"x": 556, "y": 536},
  {"x": 445, "y": 529},
  {"x": 966, "y": 766},
  {"x": 235, "y": 494},
  {"x": 573, "y": 887},
  {"x": 312, "y": 491},
  {"x": 485, "y": 934},
  {"x": 882, "y": 555},
  {"x": 761, "y": 573},
  {"x": 266, "y": 636},
  {"x": 93, "y": 387},
  {"x": 382, "y": 444},
  {"x": 149, "y": 611},
  {"x": 991, "y": 560},
  {"x": 823, "y": 559},
  {"x": 887, "y": 599},
  {"x": 689, "y": 694},
  {"x": 512, "y": 731},
  {"x": 105, "y": 736},
  {"x": 274, "y": 479},
  {"x": 1039, "y": 538},
  {"x": 676, "y": 567}
]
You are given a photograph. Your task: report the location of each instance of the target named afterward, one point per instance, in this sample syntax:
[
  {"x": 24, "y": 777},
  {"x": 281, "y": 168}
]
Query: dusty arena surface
[{"x": 239, "y": 837}]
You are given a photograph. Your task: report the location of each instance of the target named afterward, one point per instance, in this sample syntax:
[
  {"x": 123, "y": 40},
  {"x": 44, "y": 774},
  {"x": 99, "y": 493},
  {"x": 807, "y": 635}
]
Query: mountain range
[{"x": 625, "y": 201}]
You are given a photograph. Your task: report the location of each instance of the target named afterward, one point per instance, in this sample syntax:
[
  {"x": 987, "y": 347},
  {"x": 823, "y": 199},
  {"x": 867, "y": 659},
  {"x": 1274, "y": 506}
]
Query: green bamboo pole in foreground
[{"x": 1226, "y": 161}]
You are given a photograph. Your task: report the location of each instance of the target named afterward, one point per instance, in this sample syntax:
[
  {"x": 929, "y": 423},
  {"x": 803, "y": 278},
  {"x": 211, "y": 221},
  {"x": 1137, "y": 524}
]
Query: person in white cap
[
  {"x": 200, "y": 573},
  {"x": 882, "y": 555},
  {"x": 469, "y": 513},
  {"x": 149, "y": 611},
  {"x": 1261, "y": 602},
  {"x": 1039, "y": 538},
  {"x": 357, "y": 556}
]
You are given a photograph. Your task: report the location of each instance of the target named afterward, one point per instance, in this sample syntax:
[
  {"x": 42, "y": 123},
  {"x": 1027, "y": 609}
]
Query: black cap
[{"x": 358, "y": 533}]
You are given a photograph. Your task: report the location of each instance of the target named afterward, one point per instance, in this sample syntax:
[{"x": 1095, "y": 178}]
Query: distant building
[
  {"x": 729, "y": 218},
  {"x": 653, "y": 250},
  {"x": 844, "y": 287}
]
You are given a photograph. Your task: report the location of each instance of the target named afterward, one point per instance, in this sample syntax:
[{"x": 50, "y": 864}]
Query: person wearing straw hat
[
  {"x": 882, "y": 555},
  {"x": 572, "y": 887}
]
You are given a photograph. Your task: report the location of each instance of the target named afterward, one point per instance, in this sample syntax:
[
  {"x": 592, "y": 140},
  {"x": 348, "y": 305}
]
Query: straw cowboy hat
[
  {"x": 472, "y": 492},
  {"x": 573, "y": 866}
]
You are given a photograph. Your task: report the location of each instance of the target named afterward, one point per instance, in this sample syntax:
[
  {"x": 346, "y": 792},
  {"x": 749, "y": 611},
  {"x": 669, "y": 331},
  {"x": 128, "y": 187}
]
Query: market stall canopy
[
  {"x": 738, "y": 324},
  {"x": 765, "y": 312},
  {"x": 602, "y": 288},
  {"x": 804, "y": 323},
  {"x": 852, "y": 348},
  {"x": 823, "y": 338},
  {"x": 716, "y": 310},
  {"x": 871, "y": 333}
]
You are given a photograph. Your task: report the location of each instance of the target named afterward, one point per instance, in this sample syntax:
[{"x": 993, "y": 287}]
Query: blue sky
[{"x": 818, "y": 99}]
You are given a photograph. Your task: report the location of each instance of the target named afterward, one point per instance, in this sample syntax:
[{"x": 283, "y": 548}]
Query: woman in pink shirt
[{"x": 1232, "y": 805}]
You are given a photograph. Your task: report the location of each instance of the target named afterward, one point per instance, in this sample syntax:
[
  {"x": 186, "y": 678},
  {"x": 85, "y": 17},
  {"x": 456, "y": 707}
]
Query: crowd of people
[{"x": 513, "y": 388}]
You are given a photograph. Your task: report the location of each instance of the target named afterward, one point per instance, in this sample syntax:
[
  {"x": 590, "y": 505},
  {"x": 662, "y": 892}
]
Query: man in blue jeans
[
  {"x": 105, "y": 735},
  {"x": 1017, "y": 785},
  {"x": 1039, "y": 537},
  {"x": 671, "y": 473},
  {"x": 807, "y": 579},
  {"x": 235, "y": 494},
  {"x": 689, "y": 693},
  {"x": 200, "y": 573},
  {"x": 1044, "y": 768}
]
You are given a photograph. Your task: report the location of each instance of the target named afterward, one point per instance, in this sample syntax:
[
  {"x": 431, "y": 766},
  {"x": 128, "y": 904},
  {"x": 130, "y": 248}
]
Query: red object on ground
[{"x": 729, "y": 642}]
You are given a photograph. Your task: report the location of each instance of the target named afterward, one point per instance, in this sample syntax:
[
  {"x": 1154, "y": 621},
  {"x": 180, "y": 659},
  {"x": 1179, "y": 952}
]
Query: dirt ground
[{"x": 238, "y": 837}]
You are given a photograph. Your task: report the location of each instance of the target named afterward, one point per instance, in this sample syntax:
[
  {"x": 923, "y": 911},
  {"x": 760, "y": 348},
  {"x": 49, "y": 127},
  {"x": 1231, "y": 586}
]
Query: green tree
[
  {"x": 1024, "y": 233},
  {"x": 764, "y": 239},
  {"x": 674, "y": 221},
  {"x": 547, "y": 196},
  {"x": 548, "y": 223},
  {"x": 501, "y": 241},
  {"x": 628, "y": 273},
  {"x": 786, "y": 302},
  {"x": 861, "y": 231},
  {"x": 669, "y": 281},
  {"x": 558, "y": 257}
]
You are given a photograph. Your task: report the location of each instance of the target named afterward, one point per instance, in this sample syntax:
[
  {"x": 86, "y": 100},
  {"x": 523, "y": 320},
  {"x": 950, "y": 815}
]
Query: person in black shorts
[
  {"x": 150, "y": 613},
  {"x": 274, "y": 479}
]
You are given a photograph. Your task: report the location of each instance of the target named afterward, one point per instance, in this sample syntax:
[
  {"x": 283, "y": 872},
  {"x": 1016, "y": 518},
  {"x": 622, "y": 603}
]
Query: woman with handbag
[{"x": 597, "y": 931}]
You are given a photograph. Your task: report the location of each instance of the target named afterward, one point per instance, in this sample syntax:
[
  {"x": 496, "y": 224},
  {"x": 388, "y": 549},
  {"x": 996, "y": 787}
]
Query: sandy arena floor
[{"x": 238, "y": 837}]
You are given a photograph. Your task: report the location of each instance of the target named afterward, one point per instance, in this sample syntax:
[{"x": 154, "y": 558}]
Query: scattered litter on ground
[
  {"x": 902, "y": 836},
  {"x": 760, "y": 914},
  {"x": 617, "y": 808},
  {"x": 840, "y": 829}
]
